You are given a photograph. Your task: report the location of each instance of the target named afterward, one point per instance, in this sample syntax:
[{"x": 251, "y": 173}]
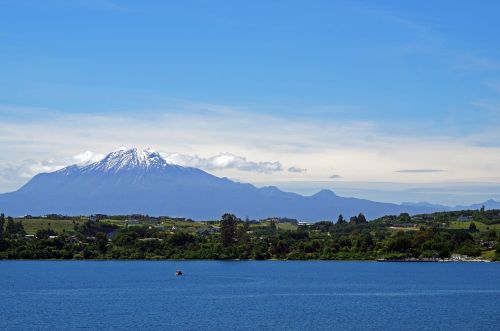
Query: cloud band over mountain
[
  {"x": 419, "y": 170},
  {"x": 224, "y": 161}
]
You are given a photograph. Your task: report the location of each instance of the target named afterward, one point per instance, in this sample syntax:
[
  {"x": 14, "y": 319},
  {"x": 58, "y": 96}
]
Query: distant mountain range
[{"x": 133, "y": 181}]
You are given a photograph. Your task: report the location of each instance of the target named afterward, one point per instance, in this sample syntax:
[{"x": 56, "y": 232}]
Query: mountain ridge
[{"x": 128, "y": 181}]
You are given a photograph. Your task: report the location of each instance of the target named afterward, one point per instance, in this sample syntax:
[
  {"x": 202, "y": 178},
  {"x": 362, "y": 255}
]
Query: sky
[{"x": 387, "y": 100}]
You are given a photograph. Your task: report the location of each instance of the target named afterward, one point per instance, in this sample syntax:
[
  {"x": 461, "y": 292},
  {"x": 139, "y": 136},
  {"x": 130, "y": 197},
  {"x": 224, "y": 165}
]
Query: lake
[{"x": 274, "y": 295}]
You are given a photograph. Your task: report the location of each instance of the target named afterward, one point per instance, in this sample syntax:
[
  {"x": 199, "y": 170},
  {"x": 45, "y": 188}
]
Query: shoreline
[{"x": 269, "y": 260}]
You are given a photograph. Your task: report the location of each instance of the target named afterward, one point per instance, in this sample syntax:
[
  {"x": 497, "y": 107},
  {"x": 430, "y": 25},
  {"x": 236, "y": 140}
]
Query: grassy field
[
  {"x": 399, "y": 228},
  {"x": 184, "y": 224},
  {"x": 287, "y": 226},
  {"x": 33, "y": 225},
  {"x": 488, "y": 255},
  {"x": 480, "y": 226},
  {"x": 119, "y": 223}
]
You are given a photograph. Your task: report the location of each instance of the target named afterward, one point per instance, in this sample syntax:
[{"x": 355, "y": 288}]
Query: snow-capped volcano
[
  {"x": 128, "y": 181},
  {"x": 128, "y": 159}
]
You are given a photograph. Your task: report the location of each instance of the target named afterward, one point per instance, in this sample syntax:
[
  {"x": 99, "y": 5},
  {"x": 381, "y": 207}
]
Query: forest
[{"x": 471, "y": 234}]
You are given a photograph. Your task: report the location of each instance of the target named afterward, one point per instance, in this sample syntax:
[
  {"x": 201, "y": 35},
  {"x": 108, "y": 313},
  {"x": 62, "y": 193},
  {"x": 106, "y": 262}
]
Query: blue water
[{"x": 139, "y": 295}]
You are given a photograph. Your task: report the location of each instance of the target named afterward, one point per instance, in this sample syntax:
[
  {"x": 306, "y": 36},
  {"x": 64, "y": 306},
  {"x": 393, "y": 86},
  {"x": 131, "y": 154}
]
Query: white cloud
[
  {"x": 360, "y": 151},
  {"x": 16, "y": 174},
  {"x": 12, "y": 176},
  {"x": 297, "y": 169},
  {"x": 28, "y": 168},
  {"x": 223, "y": 161},
  {"x": 417, "y": 171},
  {"x": 87, "y": 157},
  {"x": 335, "y": 176}
]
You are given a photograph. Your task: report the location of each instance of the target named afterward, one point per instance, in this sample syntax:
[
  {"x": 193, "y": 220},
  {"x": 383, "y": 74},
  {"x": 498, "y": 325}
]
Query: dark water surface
[{"x": 138, "y": 295}]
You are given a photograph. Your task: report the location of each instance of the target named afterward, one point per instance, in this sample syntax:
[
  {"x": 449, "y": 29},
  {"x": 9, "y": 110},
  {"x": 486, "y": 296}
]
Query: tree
[
  {"x": 2, "y": 222},
  {"x": 470, "y": 249},
  {"x": 400, "y": 242},
  {"x": 102, "y": 241},
  {"x": 404, "y": 218},
  {"x": 492, "y": 235},
  {"x": 273, "y": 223},
  {"x": 472, "y": 227},
  {"x": 241, "y": 233},
  {"x": 45, "y": 233},
  {"x": 365, "y": 242},
  {"x": 360, "y": 219},
  {"x": 228, "y": 229},
  {"x": 181, "y": 239},
  {"x": 341, "y": 220},
  {"x": 14, "y": 228},
  {"x": 10, "y": 228}
]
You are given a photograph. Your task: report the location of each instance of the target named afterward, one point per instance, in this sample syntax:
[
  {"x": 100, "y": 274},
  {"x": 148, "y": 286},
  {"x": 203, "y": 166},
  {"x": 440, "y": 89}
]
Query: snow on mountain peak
[{"x": 128, "y": 159}]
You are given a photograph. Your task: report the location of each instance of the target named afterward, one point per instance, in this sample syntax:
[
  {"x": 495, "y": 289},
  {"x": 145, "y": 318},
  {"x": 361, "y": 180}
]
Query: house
[
  {"x": 72, "y": 239},
  {"x": 490, "y": 244},
  {"x": 458, "y": 257},
  {"x": 303, "y": 223},
  {"x": 464, "y": 218}
]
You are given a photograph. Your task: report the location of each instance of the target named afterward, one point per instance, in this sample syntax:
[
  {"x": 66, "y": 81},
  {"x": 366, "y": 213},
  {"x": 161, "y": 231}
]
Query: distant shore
[
  {"x": 438, "y": 237},
  {"x": 268, "y": 260}
]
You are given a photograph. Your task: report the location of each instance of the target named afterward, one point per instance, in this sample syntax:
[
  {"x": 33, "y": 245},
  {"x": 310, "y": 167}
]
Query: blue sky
[{"x": 357, "y": 89}]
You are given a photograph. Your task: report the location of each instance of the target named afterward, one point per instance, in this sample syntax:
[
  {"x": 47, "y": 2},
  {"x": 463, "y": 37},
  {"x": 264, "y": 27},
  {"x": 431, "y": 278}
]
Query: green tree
[
  {"x": 400, "y": 242},
  {"x": 472, "y": 227},
  {"x": 14, "y": 228},
  {"x": 404, "y": 218},
  {"x": 228, "y": 229},
  {"x": 470, "y": 248},
  {"x": 341, "y": 220},
  {"x": 280, "y": 248},
  {"x": 45, "y": 233},
  {"x": 497, "y": 252},
  {"x": 181, "y": 239},
  {"x": 241, "y": 233},
  {"x": 273, "y": 223},
  {"x": 2, "y": 223},
  {"x": 365, "y": 242},
  {"x": 101, "y": 241},
  {"x": 361, "y": 219},
  {"x": 492, "y": 235}
]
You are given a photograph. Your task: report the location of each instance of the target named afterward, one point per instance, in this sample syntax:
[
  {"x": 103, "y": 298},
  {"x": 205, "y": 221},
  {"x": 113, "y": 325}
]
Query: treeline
[{"x": 233, "y": 238}]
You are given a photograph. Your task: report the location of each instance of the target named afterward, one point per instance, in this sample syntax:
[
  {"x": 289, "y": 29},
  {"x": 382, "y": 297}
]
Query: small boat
[{"x": 178, "y": 273}]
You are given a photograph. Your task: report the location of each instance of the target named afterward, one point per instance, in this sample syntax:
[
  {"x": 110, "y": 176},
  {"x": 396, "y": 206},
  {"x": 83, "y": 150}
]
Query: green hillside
[{"x": 426, "y": 236}]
